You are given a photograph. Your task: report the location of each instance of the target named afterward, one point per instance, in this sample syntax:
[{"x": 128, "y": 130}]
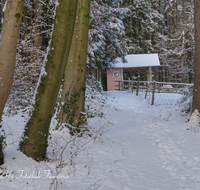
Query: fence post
[
  {"x": 122, "y": 85},
  {"x": 138, "y": 84},
  {"x": 128, "y": 84},
  {"x": 132, "y": 85},
  {"x": 153, "y": 93},
  {"x": 147, "y": 90},
  {"x": 119, "y": 86},
  {"x": 159, "y": 87}
]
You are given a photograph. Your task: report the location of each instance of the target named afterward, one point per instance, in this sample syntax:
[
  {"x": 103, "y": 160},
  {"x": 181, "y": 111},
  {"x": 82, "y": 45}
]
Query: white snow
[
  {"x": 138, "y": 147},
  {"x": 138, "y": 60},
  {"x": 195, "y": 121},
  {"x": 4, "y": 8}
]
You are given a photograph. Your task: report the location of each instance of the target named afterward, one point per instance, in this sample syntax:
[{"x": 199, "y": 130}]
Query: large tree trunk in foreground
[
  {"x": 8, "y": 46},
  {"x": 196, "y": 94},
  {"x": 38, "y": 126},
  {"x": 73, "y": 94}
]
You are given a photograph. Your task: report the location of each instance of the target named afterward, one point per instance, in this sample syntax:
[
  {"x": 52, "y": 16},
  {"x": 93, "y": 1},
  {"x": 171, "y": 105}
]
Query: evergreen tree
[
  {"x": 106, "y": 34},
  {"x": 180, "y": 45},
  {"x": 164, "y": 27},
  {"x": 140, "y": 26}
]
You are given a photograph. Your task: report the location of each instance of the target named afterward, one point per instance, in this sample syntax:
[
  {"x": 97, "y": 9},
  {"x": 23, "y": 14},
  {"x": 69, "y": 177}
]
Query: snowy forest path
[
  {"x": 155, "y": 151},
  {"x": 140, "y": 147}
]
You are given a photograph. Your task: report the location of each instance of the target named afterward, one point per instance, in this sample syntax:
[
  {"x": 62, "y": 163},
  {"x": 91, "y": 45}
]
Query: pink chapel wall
[{"x": 111, "y": 78}]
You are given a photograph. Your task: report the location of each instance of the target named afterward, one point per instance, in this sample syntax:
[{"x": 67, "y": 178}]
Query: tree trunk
[
  {"x": 37, "y": 36},
  {"x": 73, "y": 94},
  {"x": 38, "y": 126},
  {"x": 104, "y": 80},
  {"x": 8, "y": 46},
  {"x": 182, "y": 58},
  {"x": 196, "y": 93}
]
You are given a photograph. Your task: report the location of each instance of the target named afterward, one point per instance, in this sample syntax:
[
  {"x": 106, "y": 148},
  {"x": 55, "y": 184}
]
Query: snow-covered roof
[{"x": 138, "y": 60}]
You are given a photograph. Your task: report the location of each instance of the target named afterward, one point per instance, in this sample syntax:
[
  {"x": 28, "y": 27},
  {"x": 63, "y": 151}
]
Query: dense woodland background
[
  {"x": 116, "y": 28},
  {"x": 166, "y": 28}
]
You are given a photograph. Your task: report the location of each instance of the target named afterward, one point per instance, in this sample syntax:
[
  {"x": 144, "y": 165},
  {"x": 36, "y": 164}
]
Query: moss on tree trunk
[
  {"x": 73, "y": 94},
  {"x": 36, "y": 131}
]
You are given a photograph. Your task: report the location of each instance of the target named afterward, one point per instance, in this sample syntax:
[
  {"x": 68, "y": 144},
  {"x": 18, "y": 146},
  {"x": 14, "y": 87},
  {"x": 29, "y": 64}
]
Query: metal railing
[{"x": 152, "y": 86}]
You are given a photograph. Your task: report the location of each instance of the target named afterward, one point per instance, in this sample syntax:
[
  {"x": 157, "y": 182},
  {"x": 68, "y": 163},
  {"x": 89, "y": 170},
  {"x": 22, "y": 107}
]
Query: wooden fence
[{"x": 152, "y": 86}]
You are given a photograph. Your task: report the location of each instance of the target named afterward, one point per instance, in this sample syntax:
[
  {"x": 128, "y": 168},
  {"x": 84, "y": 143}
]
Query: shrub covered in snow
[
  {"x": 195, "y": 121},
  {"x": 94, "y": 100},
  {"x": 186, "y": 100}
]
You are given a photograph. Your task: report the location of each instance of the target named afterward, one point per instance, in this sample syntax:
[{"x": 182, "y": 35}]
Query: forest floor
[{"x": 132, "y": 146}]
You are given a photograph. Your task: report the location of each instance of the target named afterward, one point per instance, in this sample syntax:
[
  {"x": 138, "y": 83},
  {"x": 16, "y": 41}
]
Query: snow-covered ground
[{"x": 134, "y": 146}]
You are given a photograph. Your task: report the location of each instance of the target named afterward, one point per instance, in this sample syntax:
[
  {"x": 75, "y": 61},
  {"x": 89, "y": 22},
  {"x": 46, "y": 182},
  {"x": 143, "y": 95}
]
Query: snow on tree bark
[{"x": 36, "y": 132}]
